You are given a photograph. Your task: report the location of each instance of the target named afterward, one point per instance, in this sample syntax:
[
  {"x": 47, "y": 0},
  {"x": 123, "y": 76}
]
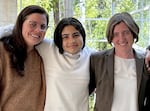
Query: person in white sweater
[{"x": 66, "y": 61}]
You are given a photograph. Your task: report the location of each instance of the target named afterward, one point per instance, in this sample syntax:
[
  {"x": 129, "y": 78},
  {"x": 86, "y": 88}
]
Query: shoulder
[
  {"x": 6, "y": 30},
  {"x": 88, "y": 50},
  {"x": 45, "y": 44},
  {"x": 139, "y": 53},
  {"x": 3, "y": 52},
  {"x": 4, "y": 57},
  {"x": 103, "y": 53},
  {"x": 1, "y": 60},
  {"x": 46, "y": 47},
  {"x": 1, "y": 47}
]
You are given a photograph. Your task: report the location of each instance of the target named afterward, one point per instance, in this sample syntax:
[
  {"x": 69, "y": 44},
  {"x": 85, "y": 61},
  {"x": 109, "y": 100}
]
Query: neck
[
  {"x": 29, "y": 49},
  {"x": 125, "y": 54}
]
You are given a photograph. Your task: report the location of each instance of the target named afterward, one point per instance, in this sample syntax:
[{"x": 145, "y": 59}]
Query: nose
[
  {"x": 121, "y": 36},
  {"x": 72, "y": 39},
  {"x": 38, "y": 28}
]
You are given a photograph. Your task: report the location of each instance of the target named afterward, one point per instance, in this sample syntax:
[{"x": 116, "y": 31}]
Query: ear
[{"x": 6, "y": 30}]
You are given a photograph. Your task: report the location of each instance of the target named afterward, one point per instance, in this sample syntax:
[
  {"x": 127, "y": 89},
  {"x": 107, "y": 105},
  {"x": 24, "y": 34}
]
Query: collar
[{"x": 73, "y": 56}]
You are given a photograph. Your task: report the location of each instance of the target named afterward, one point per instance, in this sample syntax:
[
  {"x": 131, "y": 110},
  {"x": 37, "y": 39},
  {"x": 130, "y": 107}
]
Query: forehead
[
  {"x": 69, "y": 28},
  {"x": 120, "y": 26},
  {"x": 37, "y": 17}
]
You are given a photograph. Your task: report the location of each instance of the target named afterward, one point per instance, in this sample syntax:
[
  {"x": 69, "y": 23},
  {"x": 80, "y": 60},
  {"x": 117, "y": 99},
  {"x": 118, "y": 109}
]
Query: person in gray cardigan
[{"x": 119, "y": 75}]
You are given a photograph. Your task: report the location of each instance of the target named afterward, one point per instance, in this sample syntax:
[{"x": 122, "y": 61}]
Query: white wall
[
  {"x": 8, "y": 12},
  {"x": 68, "y": 8}
]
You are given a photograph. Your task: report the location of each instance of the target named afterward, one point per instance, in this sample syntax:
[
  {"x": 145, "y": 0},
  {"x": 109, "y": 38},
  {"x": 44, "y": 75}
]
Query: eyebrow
[
  {"x": 76, "y": 32},
  {"x": 72, "y": 33},
  {"x": 35, "y": 22}
]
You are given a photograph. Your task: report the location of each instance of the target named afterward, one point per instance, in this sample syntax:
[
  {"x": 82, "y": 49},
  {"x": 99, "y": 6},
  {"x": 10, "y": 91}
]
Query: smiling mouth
[
  {"x": 35, "y": 36},
  {"x": 123, "y": 44}
]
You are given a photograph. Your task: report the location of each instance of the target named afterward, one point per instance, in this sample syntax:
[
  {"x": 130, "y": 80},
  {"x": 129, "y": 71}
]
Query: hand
[{"x": 147, "y": 59}]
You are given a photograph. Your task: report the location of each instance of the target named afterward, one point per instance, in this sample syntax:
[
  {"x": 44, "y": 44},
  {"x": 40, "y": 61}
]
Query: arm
[
  {"x": 92, "y": 84},
  {"x": 147, "y": 58},
  {"x": 6, "y": 30}
]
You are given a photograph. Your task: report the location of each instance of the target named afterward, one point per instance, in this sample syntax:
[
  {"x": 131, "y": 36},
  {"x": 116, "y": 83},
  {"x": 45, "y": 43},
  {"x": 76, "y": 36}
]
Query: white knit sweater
[{"x": 67, "y": 78}]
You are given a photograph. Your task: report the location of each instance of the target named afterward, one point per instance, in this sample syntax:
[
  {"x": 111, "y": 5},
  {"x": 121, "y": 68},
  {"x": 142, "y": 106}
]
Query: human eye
[
  {"x": 32, "y": 24},
  {"x": 77, "y": 34},
  {"x": 115, "y": 35},
  {"x": 43, "y": 27},
  {"x": 126, "y": 32},
  {"x": 64, "y": 36}
]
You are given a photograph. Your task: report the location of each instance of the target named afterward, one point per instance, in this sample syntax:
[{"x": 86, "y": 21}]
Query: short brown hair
[{"x": 122, "y": 17}]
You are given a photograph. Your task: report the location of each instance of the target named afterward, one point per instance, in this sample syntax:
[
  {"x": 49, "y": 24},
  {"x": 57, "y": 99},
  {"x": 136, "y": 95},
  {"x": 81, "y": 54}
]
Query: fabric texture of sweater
[
  {"x": 22, "y": 93},
  {"x": 67, "y": 78}
]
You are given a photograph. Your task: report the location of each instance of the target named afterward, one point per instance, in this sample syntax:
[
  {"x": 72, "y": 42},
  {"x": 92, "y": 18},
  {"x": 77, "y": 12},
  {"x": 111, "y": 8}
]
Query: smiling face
[
  {"x": 122, "y": 38},
  {"x": 34, "y": 29},
  {"x": 72, "y": 41}
]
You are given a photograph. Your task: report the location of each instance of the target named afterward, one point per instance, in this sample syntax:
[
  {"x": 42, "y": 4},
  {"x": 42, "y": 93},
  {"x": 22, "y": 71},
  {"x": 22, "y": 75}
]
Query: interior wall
[{"x": 8, "y": 9}]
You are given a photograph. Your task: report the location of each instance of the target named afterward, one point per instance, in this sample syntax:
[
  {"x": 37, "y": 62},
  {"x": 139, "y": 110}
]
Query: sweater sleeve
[
  {"x": 6, "y": 30},
  {"x": 0, "y": 61}
]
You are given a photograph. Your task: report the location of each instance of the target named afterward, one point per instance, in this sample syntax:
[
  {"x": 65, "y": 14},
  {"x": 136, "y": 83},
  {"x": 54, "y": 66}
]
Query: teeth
[
  {"x": 122, "y": 43},
  {"x": 35, "y": 36}
]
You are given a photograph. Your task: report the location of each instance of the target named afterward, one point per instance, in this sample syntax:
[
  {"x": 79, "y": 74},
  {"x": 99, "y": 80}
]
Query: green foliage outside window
[{"x": 97, "y": 14}]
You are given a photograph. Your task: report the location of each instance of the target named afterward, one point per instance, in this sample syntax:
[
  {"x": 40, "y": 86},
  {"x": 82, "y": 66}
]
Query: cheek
[
  {"x": 80, "y": 41},
  {"x": 115, "y": 39},
  {"x": 25, "y": 31},
  {"x": 132, "y": 41},
  {"x": 43, "y": 34},
  {"x": 114, "y": 42},
  {"x": 63, "y": 44}
]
